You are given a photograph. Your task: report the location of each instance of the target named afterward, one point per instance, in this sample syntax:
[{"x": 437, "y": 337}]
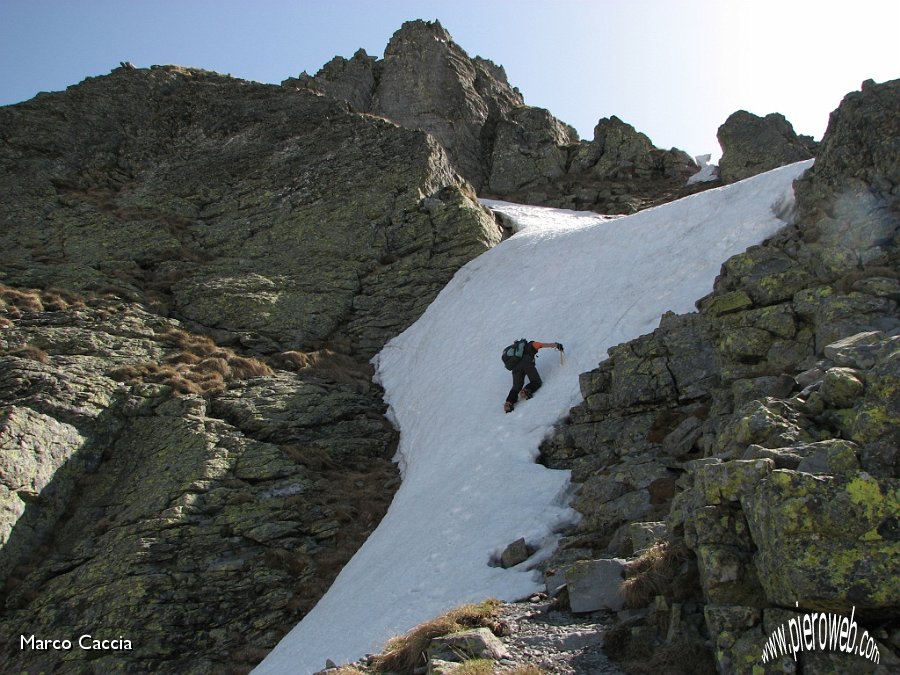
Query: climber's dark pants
[{"x": 525, "y": 368}]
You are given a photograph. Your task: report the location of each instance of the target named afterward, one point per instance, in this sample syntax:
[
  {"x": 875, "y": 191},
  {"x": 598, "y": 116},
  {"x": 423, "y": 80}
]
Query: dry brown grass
[
  {"x": 61, "y": 300},
  {"x": 326, "y": 364},
  {"x": 17, "y": 300},
  {"x": 404, "y": 653},
  {"x": 158, "y": 303},
  {"x": 244, "y": 368},
  {"x": 213, "y": 364},
  {"x": 30, "y": 352},
  {"x": 198, "y": 366},
  {"x": 179, "y": 377},
  {"x": 652, "y": 573},
  {"x": 195, "y": 349}
]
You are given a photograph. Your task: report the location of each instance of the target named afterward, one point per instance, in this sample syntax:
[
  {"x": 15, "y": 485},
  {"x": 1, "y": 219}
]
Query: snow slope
[{"x": 470, "y": 482}]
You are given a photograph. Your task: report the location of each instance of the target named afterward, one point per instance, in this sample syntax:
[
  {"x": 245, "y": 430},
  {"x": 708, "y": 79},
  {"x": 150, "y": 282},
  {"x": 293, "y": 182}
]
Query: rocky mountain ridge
[{"x": 506, "y": 149}]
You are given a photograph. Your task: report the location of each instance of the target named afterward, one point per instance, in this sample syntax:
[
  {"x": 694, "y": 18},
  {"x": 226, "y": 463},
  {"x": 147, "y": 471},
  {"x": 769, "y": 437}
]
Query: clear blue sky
[{"x": 675, "y": 69}]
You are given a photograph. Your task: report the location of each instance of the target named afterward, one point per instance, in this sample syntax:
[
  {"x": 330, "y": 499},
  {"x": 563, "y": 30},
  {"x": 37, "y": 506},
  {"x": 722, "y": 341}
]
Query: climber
[{"x": 519, "y": 358}]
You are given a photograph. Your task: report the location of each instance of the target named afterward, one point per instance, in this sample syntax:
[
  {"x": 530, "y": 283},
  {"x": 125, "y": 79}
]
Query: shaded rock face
[
  {"x": 196, "y": 271},
  {"x": 200, "y": 529},
  {"x": 752, "y": 145},
  {"x": 764, "y": 428},
  {"x": 504, "y": 148}
]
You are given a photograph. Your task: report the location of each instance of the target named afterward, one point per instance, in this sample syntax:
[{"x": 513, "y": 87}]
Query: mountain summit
[{"x": 505, "y": 148}]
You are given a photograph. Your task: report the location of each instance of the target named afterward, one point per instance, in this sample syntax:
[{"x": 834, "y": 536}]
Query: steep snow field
[{"x": 470, "y": 482}]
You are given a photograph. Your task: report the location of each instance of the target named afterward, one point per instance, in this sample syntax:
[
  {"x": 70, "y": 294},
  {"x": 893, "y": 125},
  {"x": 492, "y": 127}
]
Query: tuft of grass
[
  {"x": 214, "y": 364},
  {"x": 244, "y": 368},
  {"x": 14, "y": 301},
  {"x": 403, "y": 653},
  {"x": 179, "y": 377},
  {"x": 326, "y": 364},
  {"x": 652, "y": 573},
  {"x": 18, "y": 300},
  {"x": 198, "y": 366},
  {"x": 476, "y": 667},
  {"x": 61, "y": 300},
  {"x": 30, "y": 352}
]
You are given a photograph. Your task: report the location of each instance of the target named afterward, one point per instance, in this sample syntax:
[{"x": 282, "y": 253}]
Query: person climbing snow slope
[{"x": 519, "y": 359}]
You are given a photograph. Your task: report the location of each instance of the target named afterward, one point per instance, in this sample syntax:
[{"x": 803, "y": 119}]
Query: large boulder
[
  {"x": 476, "y": 643},
  {"x": 828, "y": 543},
  {"x": 753, "y": 144}
]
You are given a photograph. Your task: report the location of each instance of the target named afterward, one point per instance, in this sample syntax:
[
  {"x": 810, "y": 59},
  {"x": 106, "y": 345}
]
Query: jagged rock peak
[
  {"x": 862, "y": 143},
  {"x": 416, "y": 34},
  {"x": 619, "y": 150},
  {"x": 415, "y": 31},
  {"x": 425, "y": 81},
  {"x": 857, "y": 171},
  {"x": 177, "y": 212}
]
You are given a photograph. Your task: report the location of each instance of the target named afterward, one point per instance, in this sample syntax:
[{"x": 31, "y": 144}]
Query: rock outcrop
[
  {"x": 504, "y": 148},
  {"x": 752, "y": 145},
  {"x": 196, "y": 270},
  {"x": 763, "y": 429},
  {"x": 183, "y": 524}
]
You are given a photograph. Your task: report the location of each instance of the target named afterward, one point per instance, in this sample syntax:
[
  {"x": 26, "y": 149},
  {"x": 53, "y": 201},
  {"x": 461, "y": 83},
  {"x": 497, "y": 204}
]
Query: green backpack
[{"x": 513, "y": 354}]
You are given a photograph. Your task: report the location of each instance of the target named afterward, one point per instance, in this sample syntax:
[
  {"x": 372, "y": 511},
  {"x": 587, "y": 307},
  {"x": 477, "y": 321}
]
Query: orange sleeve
[{"x": 537, "y": 345}]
